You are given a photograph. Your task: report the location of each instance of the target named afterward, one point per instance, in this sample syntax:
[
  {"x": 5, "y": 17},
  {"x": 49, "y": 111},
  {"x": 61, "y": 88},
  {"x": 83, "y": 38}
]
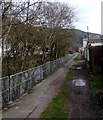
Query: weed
[{"x": 96, "y": 82}]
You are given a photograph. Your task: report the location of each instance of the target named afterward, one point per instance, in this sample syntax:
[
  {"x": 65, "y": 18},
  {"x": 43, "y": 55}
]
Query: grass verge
[
  {"x": 58, "y": 106},
  {"x": 77, "y": 58},
  {"x": 69, "y": 75},
  {"x": 96, "y": 82}
]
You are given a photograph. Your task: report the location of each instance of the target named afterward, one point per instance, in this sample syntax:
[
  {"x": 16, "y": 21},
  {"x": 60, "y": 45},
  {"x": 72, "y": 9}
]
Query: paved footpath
[{"x": 33, "y": 104}]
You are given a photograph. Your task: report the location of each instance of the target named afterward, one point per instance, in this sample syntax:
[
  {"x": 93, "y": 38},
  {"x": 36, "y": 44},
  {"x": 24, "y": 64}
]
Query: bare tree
[
  {"x": 57, "y": 16},
  {"x": 37, "y": 26},
  {"x": 14, "y": 14}
]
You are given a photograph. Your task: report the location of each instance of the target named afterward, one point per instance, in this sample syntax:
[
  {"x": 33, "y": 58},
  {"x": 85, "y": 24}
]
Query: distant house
[
  {"x": 84, "y": 49},
  {"x": 95, "y": 42},
  {"x": 93, "y": 52}
]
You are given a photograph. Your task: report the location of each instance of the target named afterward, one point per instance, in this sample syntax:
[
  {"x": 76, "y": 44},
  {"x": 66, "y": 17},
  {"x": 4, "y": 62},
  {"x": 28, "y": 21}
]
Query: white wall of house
[
  {"x": 96, "y": 44},
  {"x": 88, "y": 54},
  {"x": 84, "y": 42}
]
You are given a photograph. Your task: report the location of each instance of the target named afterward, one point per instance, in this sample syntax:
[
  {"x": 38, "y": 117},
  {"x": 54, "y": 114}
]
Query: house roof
[{"x": 95, "y": 41}]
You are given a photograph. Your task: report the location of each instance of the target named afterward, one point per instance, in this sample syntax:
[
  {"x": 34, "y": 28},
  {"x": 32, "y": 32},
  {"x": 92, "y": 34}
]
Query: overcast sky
[{"x": 88, "y": 12}]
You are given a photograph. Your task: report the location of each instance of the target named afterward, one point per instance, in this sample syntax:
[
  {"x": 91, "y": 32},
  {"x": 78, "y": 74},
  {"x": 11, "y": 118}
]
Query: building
[{"x": 93, "y": 53}]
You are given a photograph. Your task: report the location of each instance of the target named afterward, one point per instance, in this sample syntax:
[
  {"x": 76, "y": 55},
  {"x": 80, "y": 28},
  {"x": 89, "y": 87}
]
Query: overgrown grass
[
  {"x": 58, "y": 106},
  {"x": 96, "y": 82},
  {"x": 69, "y": 76},
  {"x": 77, "y": 58}
]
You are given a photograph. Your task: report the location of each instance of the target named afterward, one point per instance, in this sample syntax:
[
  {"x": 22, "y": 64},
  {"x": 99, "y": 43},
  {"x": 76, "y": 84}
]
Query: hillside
[{"x": 79, "y": 34}]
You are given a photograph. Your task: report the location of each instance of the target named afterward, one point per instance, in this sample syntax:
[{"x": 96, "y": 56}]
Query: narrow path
[
  {"x": 79, "y": 94},
  {"x": 34, "y": 103}
]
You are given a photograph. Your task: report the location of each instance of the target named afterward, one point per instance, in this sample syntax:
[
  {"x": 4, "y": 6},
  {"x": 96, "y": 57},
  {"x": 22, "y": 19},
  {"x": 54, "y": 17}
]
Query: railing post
[{"x": 10, "y": 89}]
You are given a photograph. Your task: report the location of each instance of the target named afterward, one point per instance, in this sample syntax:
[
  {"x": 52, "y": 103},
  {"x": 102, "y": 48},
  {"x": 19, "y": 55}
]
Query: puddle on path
[
  {"x": 77, "y": 68},
  {"x": 79, "y": 82}
]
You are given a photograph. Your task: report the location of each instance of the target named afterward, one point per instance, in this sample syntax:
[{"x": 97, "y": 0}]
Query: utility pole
[
  {"x": 88, "y": 33},
  {"x": 102, "y": 18}
]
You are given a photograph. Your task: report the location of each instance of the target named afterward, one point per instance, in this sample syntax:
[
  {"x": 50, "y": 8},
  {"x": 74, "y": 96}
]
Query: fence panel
[
  {"x": 4, "y": 93},
  {"x": 16, "y": 85}
]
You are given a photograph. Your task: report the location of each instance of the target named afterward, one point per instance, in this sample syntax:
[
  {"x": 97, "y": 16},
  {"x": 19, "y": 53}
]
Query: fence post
[{"x": 10, "y": 89}]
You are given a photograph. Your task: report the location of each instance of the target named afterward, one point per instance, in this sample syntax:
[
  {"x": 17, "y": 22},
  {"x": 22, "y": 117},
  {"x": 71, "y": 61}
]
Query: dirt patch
[
  {"x": 79, "y": 95},
  {"x": 98, "y": 103}
]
